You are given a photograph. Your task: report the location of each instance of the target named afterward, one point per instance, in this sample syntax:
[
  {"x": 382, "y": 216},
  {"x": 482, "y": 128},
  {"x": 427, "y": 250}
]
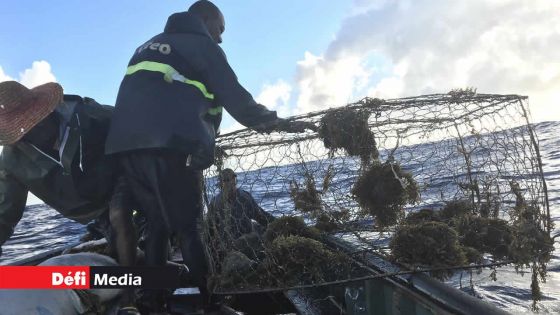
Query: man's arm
[
  {"x": 13, "y": 196},
  {"x": 255, "y": 211},
  {"x": 210, "y": 62},
  {"x": 222, "y": 82}
]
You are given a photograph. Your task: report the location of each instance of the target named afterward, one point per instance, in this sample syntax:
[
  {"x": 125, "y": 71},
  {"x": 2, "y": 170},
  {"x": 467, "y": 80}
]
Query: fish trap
[{"x": 470, "y": 162}]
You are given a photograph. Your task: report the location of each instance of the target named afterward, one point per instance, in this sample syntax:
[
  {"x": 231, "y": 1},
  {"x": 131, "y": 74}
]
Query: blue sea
[{"x": 42, "y": 229}]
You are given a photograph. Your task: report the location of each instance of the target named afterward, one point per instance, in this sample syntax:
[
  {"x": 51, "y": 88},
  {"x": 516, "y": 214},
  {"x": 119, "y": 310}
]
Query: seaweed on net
[
  {"x": 456, "y": 209},
  {"x": 331, "y": 221},
  {"x": 531, "y": 247},
  {"x": 250, "y": 244},
  {"x": 237, "y": 264},
  {"x": 289, "y": 225},
  {"x": 238, "y": 271},
  {"x": 428, "y": 244},
  {"x": 459, "y": 95},
  {"x": 491, "y": 203},
  {"x": 288, "y": 260},
  {"x": 348, "y": 129},
  {"x": 383, "y": 190},
  {"x": 294, "y": 260},
  {"x": 530, "y": 241},
  {"x": 524, "y": 241},
  {"x": 307, "y": 199},
  {"x": 327, "y": 179},
  {"x": 476, "y": 235},
  {"x": 472, "y": 255},
  {"x": 421, "y": 216},
  {"x": 486, "y": 235}
]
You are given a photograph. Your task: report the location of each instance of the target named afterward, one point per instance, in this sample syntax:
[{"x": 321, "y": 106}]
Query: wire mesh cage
[{"x": 454, "y": 177}]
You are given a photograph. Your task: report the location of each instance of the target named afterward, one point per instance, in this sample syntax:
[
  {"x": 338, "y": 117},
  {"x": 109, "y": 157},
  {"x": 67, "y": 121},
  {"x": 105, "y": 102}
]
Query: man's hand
[
  {"x": 284, "y": 125},
  {"x": 293, "y": 126}
]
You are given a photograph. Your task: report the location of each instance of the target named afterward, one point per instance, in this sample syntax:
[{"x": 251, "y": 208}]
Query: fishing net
[{"x": 437, "y": 181}]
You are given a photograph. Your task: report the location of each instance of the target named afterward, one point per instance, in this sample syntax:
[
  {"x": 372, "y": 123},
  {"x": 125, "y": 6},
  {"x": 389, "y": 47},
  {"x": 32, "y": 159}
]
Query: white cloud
[
  {"x": 3, "y": 76},
  {"x": 276, "y": 97},
  {"x": 363, "y": 6},
  {"x": 230, "y": 126},
  {"x": 325, "y": 82},
  {"x": 39, "y": 73},
  {"x": 499, "y": 46}
]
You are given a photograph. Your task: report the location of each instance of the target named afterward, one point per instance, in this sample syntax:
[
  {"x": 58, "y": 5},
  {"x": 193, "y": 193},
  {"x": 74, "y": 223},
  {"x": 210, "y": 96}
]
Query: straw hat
[{"x": 22, "y": 108}]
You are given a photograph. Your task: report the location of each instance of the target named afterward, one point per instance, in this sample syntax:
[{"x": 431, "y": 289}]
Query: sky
[{"x": 298, "y": 56}]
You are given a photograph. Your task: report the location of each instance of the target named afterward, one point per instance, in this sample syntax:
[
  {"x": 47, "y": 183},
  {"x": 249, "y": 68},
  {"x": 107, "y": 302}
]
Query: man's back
[
  {"x": 153, "y": 109},
  {"x": 172, "y": 94}
]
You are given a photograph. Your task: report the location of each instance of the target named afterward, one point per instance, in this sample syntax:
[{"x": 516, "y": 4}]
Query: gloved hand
[
  {"x": 281, "y": 124},
  {"x": 293, "y": 126}
]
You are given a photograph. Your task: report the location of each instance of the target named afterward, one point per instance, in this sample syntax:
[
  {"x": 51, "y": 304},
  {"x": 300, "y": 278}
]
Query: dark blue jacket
[
  {"x": 77, "y": 184},
  {"x": 172, "y": 93}
]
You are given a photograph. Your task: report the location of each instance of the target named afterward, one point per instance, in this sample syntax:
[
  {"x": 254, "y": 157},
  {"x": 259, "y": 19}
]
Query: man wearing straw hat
[{"x": 54, "y": 148}]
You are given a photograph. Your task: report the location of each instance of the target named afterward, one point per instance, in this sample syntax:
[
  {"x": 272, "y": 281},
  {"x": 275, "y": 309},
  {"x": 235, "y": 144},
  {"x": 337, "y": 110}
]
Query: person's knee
[{"x": 120, "y": 217}]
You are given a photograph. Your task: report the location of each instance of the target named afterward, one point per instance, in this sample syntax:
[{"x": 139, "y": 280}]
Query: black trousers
[{"x": 169, "y": 193}]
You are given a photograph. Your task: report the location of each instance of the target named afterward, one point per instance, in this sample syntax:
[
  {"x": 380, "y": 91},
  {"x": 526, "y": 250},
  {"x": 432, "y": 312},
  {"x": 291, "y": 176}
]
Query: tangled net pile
[{"x": 454, "y": 179}]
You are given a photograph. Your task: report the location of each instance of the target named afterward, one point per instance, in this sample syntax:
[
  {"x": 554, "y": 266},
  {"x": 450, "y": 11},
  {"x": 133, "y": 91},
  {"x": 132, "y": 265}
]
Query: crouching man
[{"x": 54, "y": 148}]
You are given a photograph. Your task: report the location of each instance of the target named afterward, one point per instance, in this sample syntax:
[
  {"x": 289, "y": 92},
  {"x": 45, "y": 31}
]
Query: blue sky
[
  {"x": 88, "y": 43},
  {"x": 297, "y": 56}
]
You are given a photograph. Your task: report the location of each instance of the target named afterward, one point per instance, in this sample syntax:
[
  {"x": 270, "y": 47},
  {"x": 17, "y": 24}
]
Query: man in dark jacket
[
  {"x": 234, "y": 211},
  {"x": 167, "y": 113},
  {"x": 53, "y": 148}
]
